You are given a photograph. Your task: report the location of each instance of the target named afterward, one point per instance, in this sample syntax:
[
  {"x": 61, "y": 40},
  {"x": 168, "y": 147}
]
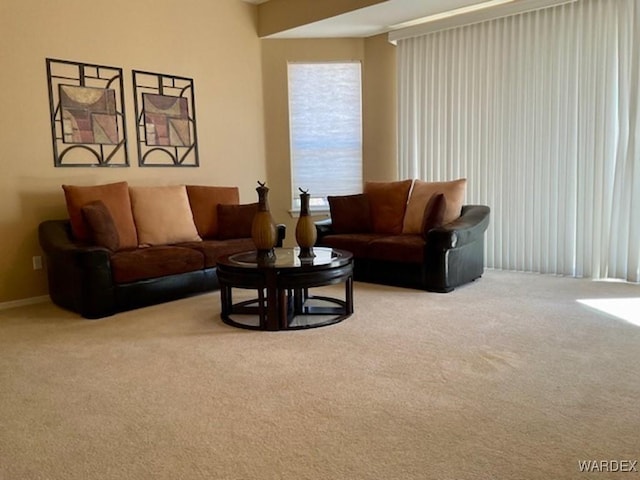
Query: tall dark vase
[
  {"x": 305, "y": 228},
  {"x": 263, "y": 229}
]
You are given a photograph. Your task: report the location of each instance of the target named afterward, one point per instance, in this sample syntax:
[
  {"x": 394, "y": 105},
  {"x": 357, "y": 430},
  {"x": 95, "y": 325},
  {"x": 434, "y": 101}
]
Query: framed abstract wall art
[
  {"x": 86, "y": 103},
  {"x": 165, "y": 120}
]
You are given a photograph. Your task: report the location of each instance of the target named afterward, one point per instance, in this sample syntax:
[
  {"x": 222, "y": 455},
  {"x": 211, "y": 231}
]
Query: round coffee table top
[{"x": 285, "y": 258}]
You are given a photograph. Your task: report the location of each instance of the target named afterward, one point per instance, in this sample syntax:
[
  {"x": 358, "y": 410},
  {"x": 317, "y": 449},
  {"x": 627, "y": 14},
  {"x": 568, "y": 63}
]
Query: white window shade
[{"x": 325, "y": 125}]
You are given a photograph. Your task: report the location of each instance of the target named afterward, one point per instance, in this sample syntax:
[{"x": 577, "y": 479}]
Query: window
[{"x": 325, "y": 125}]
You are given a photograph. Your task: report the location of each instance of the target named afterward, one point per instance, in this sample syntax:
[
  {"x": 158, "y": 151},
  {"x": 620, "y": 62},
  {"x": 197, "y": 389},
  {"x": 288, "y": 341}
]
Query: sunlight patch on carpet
[{"x": 627, "y": 309}]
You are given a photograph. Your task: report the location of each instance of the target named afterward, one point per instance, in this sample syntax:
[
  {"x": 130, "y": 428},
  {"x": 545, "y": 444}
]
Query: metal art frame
[
  {"x": 69, "y": 148},
  {"x": 167, "y": 136}
]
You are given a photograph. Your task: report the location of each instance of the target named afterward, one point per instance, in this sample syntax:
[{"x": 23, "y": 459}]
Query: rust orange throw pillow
[
  {"x": 433, "y": 213},
  {"x": 421, "y": 193},
  {"x": 388, "y": 201},
  {"x": 116, "y": 198},
  {"x": 204, "y": 201}
]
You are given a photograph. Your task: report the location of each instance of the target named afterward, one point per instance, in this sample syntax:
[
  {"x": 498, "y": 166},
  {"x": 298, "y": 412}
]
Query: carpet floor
[{"x": 511, "y": 377}]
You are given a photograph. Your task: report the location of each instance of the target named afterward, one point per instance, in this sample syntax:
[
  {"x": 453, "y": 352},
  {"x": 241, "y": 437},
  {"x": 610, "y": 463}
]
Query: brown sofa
[
  {"x": 409, "y": 233},
  {"x": 126, "y": 247}
]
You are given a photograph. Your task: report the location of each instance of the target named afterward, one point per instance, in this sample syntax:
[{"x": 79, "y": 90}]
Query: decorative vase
[
  {"x": 263, "y": 229},
  {"x": 305, "y": 228}
]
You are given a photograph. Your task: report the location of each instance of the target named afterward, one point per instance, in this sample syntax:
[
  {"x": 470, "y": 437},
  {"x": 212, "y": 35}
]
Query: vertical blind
[
  {"x": 325, "y": 125},
  {"x": 540, "y": 112}
]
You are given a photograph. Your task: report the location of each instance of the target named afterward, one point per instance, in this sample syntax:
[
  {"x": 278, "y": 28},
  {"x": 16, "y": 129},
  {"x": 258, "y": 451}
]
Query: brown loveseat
[
  {"x": 409, "y": 233},
  {"x": 126, "y": 247}
]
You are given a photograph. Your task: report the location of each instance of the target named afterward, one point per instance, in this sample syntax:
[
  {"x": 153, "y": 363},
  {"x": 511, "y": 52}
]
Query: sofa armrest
[
  {"x": 323, "y": 228},
  {"x": 56, "y": 242},
  {"x": 79, "y": 275},
  {"x": 467, "y": 228},
  {"x": 281, "y": 232}
]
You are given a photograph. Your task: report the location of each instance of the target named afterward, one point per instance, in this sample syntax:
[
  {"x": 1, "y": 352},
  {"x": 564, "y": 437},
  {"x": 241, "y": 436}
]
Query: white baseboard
[{"x": 23, "y": 302}]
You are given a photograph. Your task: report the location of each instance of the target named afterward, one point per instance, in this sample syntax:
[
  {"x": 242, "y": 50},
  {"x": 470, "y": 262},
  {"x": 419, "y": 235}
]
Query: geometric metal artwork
[
  {"x": 87, "y": 114},
  {"x": 165, "y": 120}
]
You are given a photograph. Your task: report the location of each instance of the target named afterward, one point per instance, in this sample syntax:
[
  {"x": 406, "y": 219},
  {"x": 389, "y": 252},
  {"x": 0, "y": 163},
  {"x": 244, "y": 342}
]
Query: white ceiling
[{"x": 372, "y": 20}]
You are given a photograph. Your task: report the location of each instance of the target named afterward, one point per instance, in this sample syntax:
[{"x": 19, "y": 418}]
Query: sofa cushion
[
  {"x": 163, "y": 215},
  {"x": 350, "y": 213},
  {"x": 115, "y": 196},
  {"x": 388, "y": 201},
  {"x": 204, "y": 201},
  {"x": 102, "y": 228},
  {"x": 356, "y": 243},
  {"x": 421, "y": 193},
  {"x": 433, "y": 213},
  {"x": 234, "y": 221},
  {"x": 397, "y": 248},
  {"x": 214, "y": 249},
  {"x": 153, "y": 262}
]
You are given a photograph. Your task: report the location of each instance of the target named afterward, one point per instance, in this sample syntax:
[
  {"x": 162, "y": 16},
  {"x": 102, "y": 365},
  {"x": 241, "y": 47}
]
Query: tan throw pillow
[
  {"x": 350, "y": 213},
  {"x": 163, "y": 215},
  {"x": 116, "y": 198},
  {"x": 421, "y": 193},
  {"x": 234, "y": 221},
  {"x": 204, "y": 201},
  {"x": 388, "y": 201},
  {"x": 102, "y": 228}
]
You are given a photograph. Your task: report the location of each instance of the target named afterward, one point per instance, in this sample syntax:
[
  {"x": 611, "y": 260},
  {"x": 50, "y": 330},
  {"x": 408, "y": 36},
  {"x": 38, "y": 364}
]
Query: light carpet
[{"x": 506, "y": 378}]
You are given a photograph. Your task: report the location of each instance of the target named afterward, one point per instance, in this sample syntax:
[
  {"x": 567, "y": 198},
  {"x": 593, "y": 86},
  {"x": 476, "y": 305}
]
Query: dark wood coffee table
[{"x": 282, "y": 282}]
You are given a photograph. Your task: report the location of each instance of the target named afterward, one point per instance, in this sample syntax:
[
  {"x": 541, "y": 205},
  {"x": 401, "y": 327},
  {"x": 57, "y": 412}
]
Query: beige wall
[
  {"x": 213, "y": 42},
  {"x": 379, "y": 106},
  {"x": 243, "y": 134},
  {"x": 379, "y": 125}
]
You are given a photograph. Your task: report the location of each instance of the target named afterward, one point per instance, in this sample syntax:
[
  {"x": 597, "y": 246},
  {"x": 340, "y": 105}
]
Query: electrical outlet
[{"x": 37, "y": 262}]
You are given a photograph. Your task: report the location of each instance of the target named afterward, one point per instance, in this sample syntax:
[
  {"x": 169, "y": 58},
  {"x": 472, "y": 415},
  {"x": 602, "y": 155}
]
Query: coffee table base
[
  {"x": 282, "y": 284},
  {"x": 300, "y": 309}
]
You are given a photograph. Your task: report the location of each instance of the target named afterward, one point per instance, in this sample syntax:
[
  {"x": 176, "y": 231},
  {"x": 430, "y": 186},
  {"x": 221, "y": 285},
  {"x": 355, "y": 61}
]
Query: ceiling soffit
[{"x": 277, "y": 16}]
